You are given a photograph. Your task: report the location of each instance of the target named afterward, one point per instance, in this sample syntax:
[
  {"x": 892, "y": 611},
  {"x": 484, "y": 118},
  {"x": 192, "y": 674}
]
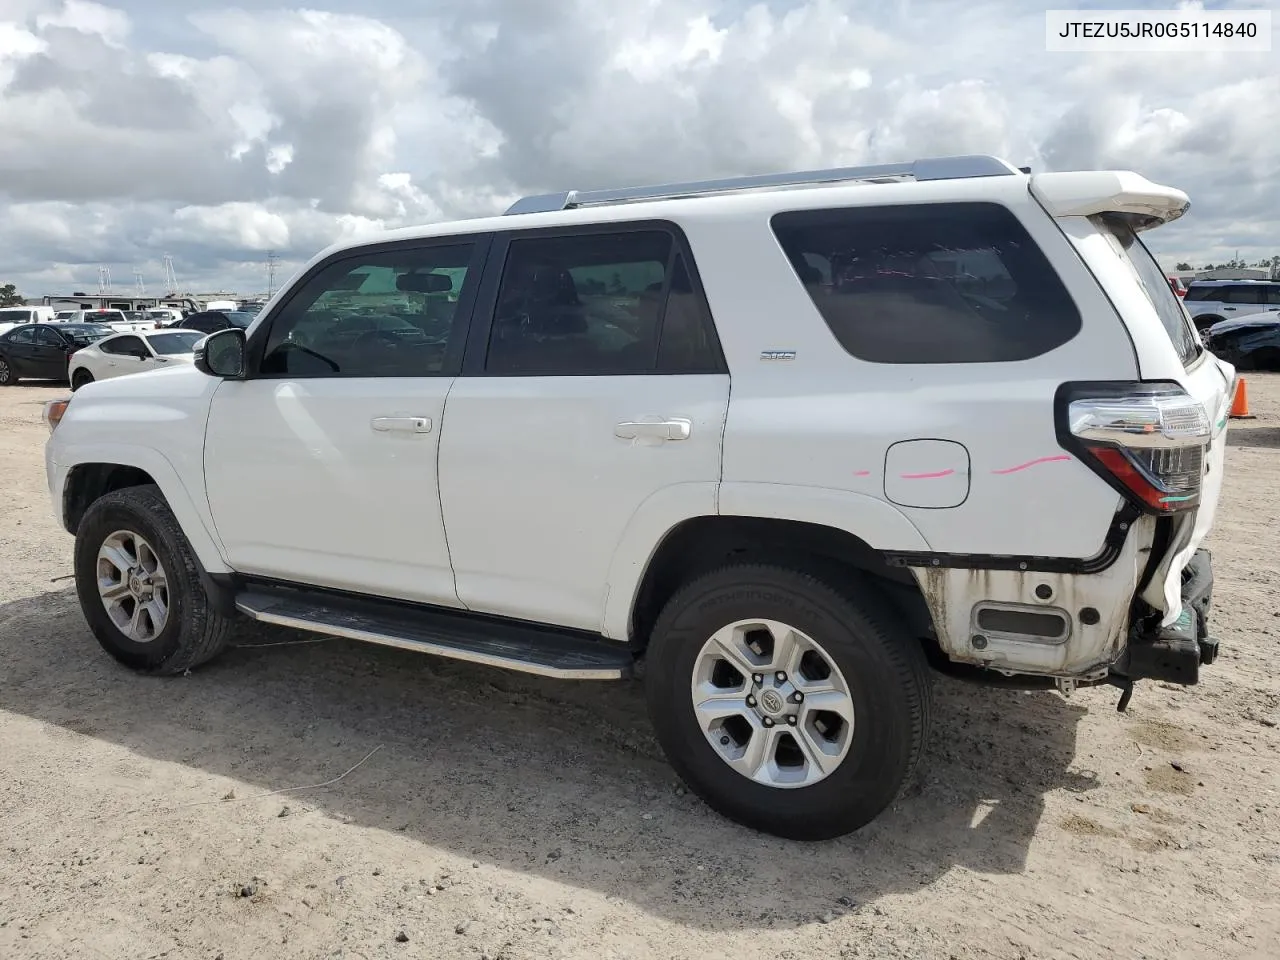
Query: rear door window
[
  {"x": 1173, "y": 316},
  {"x": 929, "y": 283},
  {"x": 1243, "y": 293}
]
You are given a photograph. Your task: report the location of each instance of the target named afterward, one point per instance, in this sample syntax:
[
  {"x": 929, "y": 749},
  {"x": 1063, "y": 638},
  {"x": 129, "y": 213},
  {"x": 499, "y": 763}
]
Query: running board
[{"x": 512, "y": 645}]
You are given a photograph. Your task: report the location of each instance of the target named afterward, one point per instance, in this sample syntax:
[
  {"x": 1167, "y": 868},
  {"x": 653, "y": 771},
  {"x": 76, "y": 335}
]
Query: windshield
[
  {"x": 180, "y": 341},
  {"x": 85, "y": 332}
]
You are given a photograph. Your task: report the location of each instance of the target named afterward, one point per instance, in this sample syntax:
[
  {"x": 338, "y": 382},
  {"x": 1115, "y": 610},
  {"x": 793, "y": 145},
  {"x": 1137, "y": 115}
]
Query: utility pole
[
  {"x": 139, "y": 287},
  {"x": 272, "y": 260},
  {"x": 104, "y": 281}
]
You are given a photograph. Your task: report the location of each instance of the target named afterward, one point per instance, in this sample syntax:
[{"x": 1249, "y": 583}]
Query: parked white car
[
  {"x": 794, "y": 440},
  {"x": 11, "y": 317},
  {"x": 123, "y": 353}
]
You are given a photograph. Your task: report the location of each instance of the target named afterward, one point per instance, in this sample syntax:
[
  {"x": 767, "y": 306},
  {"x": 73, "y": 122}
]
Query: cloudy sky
[{"x": 214, "y": 133}]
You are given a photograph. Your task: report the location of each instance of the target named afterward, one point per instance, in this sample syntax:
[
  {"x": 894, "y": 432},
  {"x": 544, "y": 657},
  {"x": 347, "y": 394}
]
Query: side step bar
[{"x": 512, "y": 645}]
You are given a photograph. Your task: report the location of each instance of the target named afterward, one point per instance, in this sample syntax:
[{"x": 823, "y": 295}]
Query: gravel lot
[{"x": 501, "y": 816}]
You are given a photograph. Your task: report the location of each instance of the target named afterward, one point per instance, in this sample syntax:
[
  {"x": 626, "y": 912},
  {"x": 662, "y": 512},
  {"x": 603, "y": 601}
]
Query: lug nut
[
  {"x": 768, "y": 722},
  {"x": 758, "y": 678},
  {"x": 791, "y": 721},
  {"x": 751, "y": 701},
  {"x": 781, "y": 677},
  {"x": 797, "y": 697}
]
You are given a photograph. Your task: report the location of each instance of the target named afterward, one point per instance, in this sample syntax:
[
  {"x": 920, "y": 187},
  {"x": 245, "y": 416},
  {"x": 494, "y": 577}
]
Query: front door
[
  {"x": 126, "y": 354},
  {"x": 321, "y": 466},
  {"x": 48, "y": 355},
  {"x": 597, "y": 389}
]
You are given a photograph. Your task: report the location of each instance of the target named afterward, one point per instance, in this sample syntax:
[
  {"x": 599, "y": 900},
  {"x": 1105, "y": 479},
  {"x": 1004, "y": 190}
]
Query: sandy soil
[{"x": 505, "y": 817}]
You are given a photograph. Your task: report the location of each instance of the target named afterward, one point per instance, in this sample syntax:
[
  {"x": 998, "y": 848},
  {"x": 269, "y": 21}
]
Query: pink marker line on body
[
  {"x": 862, "y": 473},
  {"x": 927, "y": 476},
  {"x": 1032, "y": 463}
]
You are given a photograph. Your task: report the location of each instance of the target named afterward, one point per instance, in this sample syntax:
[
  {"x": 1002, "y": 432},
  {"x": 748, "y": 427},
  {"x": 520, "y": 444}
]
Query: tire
[
  {"x": 80, "y": 378},
  {"x": 192, "y": 632},
  {"x": 884, "y": 672},
  {"x": 8, "y": 372}
]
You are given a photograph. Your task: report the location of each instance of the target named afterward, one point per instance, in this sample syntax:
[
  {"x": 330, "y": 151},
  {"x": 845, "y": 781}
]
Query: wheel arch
[
  {"x": 760, "y": 522},
  {"x": 90, "y": 473}
]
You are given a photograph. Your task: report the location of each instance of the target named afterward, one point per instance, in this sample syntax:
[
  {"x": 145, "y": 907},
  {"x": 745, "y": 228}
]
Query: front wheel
[
  {"x": 139, "y": 585},
  {"x": 786, "y": 702}
]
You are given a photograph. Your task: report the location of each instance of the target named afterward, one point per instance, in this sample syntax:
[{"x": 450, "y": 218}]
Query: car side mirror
[{"x": 222, "y": 354}]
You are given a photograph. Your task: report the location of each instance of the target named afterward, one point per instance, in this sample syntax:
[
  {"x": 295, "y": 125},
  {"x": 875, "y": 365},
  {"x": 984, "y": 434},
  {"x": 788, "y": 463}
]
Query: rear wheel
[
  {"x": 80, "y": 378},
  {"x": 8, "y": 374},
  {"x": 139, "y": 585},
  {"x": 785, "y": 701}
]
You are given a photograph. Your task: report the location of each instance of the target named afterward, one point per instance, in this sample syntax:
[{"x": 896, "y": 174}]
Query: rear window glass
[
  {"x": 1173, "y": 317},
  {"x": 935, "y": 283}
]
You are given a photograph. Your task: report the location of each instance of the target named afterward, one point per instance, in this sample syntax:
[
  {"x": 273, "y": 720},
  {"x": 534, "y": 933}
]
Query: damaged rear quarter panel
[{"x": 952, "y": 593}]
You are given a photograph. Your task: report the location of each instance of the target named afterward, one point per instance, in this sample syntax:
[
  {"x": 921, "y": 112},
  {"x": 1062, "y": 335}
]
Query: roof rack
[{"x": 938, "y": 168}]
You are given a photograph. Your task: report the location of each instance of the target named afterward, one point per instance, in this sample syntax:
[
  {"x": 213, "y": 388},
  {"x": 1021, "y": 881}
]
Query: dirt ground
[{"x": 502, "y": 816}]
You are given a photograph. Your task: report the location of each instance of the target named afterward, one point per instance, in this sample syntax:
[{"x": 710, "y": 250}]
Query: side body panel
[
  {"x": 156, "y": 423},
  {"x": 824, "y": 419}
]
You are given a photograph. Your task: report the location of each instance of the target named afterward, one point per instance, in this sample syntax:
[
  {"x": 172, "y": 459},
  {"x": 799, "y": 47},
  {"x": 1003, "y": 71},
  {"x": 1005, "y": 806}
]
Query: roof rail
[{"x": 939, "y": 168}]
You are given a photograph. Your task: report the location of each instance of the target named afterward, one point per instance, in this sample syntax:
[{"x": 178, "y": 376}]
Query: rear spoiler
[{"x": 1087, "y": 193}]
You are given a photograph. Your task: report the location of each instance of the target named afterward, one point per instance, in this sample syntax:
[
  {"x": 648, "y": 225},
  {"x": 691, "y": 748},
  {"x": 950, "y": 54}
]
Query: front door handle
[
  {"x": 401, "y": 424},
  {"x": 673, "y": 429}
]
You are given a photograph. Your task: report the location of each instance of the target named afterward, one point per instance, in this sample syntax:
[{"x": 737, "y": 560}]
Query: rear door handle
[
  {"x": 674, "y": 429},
  {"x": 401, "y": 424}
]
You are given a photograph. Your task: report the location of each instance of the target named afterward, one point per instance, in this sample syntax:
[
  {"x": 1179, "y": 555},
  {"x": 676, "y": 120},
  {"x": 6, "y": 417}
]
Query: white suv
[
  {"x": 792, "y": 440},
  {"x": 1212, "y": 301}
]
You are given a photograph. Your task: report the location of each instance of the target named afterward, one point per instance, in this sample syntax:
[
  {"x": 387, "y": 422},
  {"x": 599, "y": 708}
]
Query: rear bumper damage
[{"x": 1175, "y": 653}]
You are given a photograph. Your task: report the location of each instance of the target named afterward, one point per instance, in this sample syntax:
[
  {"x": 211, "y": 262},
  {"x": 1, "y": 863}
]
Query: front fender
[
  {"x": 196, "y": 523},
  {"x": 878, "y": 523}
]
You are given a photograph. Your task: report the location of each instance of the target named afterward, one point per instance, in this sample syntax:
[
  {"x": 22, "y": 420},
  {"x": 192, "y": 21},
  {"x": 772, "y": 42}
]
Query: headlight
[{"x": 53, "y": 411}]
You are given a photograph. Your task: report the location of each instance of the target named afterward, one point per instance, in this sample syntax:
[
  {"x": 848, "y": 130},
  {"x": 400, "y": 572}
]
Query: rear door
[{"x": 593, "y": 384}]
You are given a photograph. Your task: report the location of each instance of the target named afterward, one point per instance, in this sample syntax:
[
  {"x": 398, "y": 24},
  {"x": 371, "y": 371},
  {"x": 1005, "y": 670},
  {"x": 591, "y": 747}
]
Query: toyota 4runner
[{"x": 794, "y": 440}]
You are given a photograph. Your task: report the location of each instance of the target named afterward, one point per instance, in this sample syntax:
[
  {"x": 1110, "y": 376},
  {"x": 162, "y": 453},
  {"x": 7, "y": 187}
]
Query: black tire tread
[
  {"x": 872, "y": 616},
  {"x": 205, "y": 632}
]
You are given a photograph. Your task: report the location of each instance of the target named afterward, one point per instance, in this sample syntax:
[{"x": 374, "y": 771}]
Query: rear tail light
[{"x": 1147, "y": 440}]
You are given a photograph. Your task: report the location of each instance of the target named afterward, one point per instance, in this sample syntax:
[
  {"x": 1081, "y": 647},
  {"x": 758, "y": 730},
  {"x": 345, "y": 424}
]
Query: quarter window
[
  {"x": 936, "y": 283},
  {"x": 600, "y": 303},
  {"x": 386, "y": 314},
  {"x": 23, "y": 336}
]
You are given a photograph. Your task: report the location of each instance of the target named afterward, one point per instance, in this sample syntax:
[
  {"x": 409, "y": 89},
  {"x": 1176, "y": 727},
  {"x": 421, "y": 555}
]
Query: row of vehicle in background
[
  {"x": 1239, "y": 320},
  {"x": 43, "y": 351},
  {"x": 84, "y": 352},
  {"x": 118, "y": 320}
]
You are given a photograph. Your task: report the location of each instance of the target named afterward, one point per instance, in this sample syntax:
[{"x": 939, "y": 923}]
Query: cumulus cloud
[{"x": 134, "y": 129}]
